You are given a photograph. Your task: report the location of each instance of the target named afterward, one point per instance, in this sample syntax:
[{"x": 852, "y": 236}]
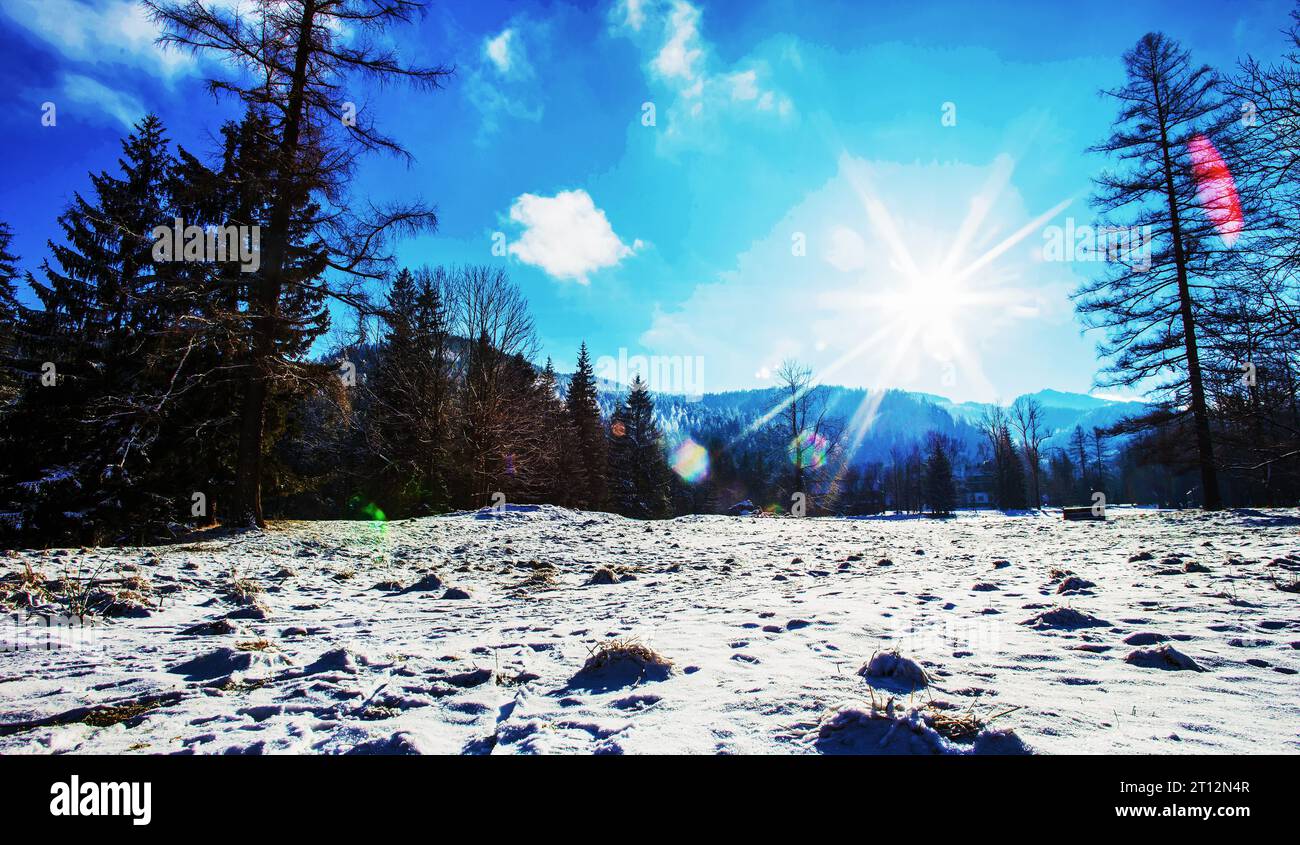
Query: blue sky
[{"x": 863, "y": 186}]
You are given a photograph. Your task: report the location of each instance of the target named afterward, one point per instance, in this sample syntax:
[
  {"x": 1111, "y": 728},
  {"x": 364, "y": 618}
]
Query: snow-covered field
[{"x": 333, "y": 637}]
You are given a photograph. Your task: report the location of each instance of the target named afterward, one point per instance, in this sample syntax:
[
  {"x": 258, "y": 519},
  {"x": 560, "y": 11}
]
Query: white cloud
[
  {"x": 633, "y": 14},
  {"x": 566, "y": 235},
  {"x": 124, "y": 108},
  {"x": 744, "y": 86},
  {"x": 679, "y": 58},
  {"x": 498, "y": 50},
  {"x": 501, "y": 83},
  {"x": 110, "y": 31}
]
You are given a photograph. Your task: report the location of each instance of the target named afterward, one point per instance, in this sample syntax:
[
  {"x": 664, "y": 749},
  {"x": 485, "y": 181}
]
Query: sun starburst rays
[{"x": 926, "y": 308}]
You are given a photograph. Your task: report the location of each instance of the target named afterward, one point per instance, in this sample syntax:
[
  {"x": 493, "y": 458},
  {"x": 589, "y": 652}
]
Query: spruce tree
[
  {"x": 229, "y": 191},
  {"x": 395, "y": 402},
  {"x": 10, "y": 312},
  {"x": 90, "y": 423},
  {"x": 560, "y": 470},
  {"x": 1011, "y": 482},
  {"x": 589, "y": 431},
  {"x": 639, "y": 483},
  {"x": 940, "y": 489}
]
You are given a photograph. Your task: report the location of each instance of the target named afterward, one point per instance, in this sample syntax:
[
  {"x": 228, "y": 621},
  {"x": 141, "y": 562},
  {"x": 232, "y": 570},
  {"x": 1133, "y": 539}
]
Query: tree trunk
[
  {"x": 1204, "y": 443},
  {"x": 247, "y": 510}
]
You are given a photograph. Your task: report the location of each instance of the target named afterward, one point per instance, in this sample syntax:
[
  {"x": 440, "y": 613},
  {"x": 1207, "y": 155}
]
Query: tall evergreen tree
[
  {"x": 231, "y": 191},
  {"x": 639, "y": 482},
  {"x": 91, "y": 419},
  {"x": 1011, "y": 473},
  {"x": 589, "y": 429},
  {"x": 10, "y": 313},
  {"x": 408, "y": 410},
  {"x": 940, "y": 489},
  {"x": 561, "y": 469}
]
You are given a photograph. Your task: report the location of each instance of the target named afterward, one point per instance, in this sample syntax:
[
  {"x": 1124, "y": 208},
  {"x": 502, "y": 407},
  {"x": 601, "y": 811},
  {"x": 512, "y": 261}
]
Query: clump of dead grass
[
  {"x": 242, "y": 590},
  {"x": 27, "y": 588},
  {"x": 625, "y": 656},
  {"x": 109, "y": 715},
  {"x": 538, "y": 579},
  {"x": 945, "y": 719}
]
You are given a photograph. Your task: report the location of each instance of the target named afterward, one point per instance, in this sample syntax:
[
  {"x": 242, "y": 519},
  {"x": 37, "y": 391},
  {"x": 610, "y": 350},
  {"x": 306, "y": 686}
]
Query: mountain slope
[{"x": 900, "y": 419}]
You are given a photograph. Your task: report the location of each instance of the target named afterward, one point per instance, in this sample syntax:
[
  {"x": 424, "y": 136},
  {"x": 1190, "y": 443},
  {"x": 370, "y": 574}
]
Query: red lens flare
[{"x": 1216, "y": 189}]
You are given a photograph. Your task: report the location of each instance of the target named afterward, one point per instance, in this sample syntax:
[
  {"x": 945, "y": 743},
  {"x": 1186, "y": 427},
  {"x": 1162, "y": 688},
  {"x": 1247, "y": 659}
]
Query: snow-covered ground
[{"x": 332, "y": 637}]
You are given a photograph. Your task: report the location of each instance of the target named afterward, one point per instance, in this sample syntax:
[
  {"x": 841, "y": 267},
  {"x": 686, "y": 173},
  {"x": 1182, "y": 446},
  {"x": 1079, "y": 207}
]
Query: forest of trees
[{"x": 143, "y": 397}]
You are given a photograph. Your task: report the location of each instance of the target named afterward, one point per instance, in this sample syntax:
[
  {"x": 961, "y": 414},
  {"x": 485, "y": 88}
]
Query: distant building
[{"x": 974, "y": 485}]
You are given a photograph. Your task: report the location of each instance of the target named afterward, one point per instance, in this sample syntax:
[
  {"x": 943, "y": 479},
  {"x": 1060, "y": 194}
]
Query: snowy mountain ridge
[{"x": 900, "y": 418}]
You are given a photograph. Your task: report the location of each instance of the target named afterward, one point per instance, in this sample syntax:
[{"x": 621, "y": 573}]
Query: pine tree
[
  {"x": 83, "y": 440},
  {"x": 639, "y": 483},
  {"x": 592, "y": 450},
  {"x": 560, "y": 471},
  {"x": 10, "y": 313},
  {"x": 1011, "y": 486},
  {"x": 214, "y": 325},
  {"x": 400, "y": 403},
  {"x": 940, "y": 489}
]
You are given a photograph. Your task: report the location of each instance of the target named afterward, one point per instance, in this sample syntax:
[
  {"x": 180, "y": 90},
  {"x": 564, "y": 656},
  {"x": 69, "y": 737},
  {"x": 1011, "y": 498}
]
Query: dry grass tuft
[
  {"x": 109, "y": 715},
  {"x": 631, "y": 650},
  {"x": 260, "y": 644},
  {"x": 25, "y": 589},
  {"x": 243, "y": 591},
  {"x": 538, "y": 579},
  {"x": 958, "y": 727},
  {"x": 953, "y": 725}
]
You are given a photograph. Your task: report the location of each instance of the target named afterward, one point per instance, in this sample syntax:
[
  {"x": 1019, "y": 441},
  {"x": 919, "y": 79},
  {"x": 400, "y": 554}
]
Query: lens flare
[
  {"x": 1216, "y": 188},
  {"x": 375, "y": 528},
  {"x": 809, "y": 449},
  {"x": 690, "y": 460}
]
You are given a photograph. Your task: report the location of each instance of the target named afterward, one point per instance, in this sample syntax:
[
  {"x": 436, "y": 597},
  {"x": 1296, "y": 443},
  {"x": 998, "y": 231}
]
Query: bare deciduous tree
[
  {"x": 812, "y": 434},
  {"x": 1027, "y": 417}
]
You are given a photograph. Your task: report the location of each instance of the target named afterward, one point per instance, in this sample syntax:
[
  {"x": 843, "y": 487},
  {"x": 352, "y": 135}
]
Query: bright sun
[
  {"x": 926, "y": 303},
  {"x": 929, "y": 310}
]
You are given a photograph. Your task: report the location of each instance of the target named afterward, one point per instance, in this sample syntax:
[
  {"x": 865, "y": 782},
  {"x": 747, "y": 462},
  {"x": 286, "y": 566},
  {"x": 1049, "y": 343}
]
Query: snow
[{"x": 480, "y": 632}]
